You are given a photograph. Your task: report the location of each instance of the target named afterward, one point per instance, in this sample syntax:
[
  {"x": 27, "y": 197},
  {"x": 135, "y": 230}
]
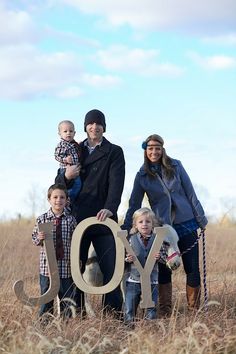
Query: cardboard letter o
[{"x": 75, "y": 251}]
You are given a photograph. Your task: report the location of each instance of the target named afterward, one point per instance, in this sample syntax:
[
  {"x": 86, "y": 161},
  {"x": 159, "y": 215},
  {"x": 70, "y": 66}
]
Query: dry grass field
[{"x": 211, "y": 331}]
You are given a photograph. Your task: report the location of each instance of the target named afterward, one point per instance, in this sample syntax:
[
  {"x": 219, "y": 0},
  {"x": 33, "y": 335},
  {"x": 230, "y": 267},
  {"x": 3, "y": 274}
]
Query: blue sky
[{"x": 151, "y": 66}]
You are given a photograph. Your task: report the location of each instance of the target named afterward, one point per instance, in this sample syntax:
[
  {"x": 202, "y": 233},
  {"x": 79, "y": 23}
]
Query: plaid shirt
[
  {"x": 68, "y": 225},
  {"x": 64, "y": 149}
]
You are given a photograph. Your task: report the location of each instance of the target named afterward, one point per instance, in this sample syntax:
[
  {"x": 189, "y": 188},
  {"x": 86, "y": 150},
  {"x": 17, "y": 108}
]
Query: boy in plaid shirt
[{"x": 64, "y": 225}]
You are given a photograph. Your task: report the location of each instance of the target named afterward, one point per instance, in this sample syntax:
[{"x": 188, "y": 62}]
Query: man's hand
[
  {"x": 103, "y": 214},
  {"x": 72, "y": 171}
]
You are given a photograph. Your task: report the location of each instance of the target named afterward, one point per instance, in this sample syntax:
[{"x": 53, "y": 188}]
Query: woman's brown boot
[{"x": 193, "y": 297}]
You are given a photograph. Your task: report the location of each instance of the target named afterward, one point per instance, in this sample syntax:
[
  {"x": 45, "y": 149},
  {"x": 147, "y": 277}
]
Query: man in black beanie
[
  {"x": 95, "y": 116},
  {"x": 102, "y": 175}
]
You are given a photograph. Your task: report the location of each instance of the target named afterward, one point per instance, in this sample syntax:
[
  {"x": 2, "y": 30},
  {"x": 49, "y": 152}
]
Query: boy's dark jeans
[
  {"x": 132, "y": 299},
  {"x": 66, "y": 291}
]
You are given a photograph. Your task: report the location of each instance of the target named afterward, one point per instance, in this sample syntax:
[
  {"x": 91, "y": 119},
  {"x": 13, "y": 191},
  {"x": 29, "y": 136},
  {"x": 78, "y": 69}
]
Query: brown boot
[
  {"x": 165, "y": 299},
  {"x": 193, "y": 297}
]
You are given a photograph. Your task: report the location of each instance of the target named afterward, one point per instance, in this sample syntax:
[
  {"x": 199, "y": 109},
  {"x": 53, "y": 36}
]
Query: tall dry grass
[{"x": 211, "y": 331}]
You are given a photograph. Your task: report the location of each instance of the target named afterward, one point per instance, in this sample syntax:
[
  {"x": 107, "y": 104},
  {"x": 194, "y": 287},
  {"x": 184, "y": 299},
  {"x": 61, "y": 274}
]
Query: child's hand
[
  {"x": 41, "y": 235},
  {"x": 129, "y": 258},
  {"x": 157, "y": 256},
  {"x": 68, "y": 159}
]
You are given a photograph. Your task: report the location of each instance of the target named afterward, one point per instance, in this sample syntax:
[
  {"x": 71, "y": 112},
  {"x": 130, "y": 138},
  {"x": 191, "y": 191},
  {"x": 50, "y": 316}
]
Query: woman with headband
[{"x": 172, "y": 198}]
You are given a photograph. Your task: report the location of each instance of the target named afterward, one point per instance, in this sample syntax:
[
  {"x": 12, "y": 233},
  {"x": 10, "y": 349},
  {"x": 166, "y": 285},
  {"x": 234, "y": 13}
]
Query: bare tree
[{"x": 36, "y": 200}]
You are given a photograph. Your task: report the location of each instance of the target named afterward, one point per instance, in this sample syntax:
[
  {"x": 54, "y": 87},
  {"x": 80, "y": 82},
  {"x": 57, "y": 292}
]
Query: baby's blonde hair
[
  {"x": 65, "y": 122},
  {"x": 140, "y": 212}
]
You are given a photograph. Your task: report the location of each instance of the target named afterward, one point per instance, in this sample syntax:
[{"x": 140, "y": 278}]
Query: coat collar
[
  {"x": 143, "y": 172},
  {"x": 100, "y": 151}
]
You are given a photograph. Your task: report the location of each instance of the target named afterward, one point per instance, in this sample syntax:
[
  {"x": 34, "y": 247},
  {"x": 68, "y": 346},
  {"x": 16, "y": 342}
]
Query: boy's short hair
[
  {"x": 57, "y": 186},
  {"x": 140, "y": 212}
]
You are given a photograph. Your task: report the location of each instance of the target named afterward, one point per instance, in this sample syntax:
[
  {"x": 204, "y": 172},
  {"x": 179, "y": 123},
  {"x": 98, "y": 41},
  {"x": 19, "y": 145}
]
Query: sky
[{"x": 163, "y": 67}]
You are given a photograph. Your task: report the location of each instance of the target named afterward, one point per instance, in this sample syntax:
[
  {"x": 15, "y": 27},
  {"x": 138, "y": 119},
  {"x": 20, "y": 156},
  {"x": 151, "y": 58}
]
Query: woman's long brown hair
[{"x": 165, "y": 159}]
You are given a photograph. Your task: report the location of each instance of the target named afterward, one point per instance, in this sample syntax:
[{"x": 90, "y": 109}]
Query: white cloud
[
  {"x": 214, "y": 62},
  {"x": 71, "y": 37},
  {"x": 122, "y": 58},
  {"x": 210, "y": 16},
  {"x": 16, "y": 27},
  {"x": 25, "y": 72},
  {"x": 221, "y": 62},
  {"x": 70, "y": 92},
  {"x": 101, "y": 81},
  {"x": 137, "y": 60},
  {"x": 228, "y": 39}
]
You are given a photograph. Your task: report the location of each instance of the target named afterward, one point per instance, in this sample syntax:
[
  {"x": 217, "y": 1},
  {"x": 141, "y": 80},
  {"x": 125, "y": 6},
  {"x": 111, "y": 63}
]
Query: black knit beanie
[{"x": 95, "y": 116}]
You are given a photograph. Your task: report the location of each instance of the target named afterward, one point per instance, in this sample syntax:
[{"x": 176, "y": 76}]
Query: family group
[{"x": 90, "y": 182}]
